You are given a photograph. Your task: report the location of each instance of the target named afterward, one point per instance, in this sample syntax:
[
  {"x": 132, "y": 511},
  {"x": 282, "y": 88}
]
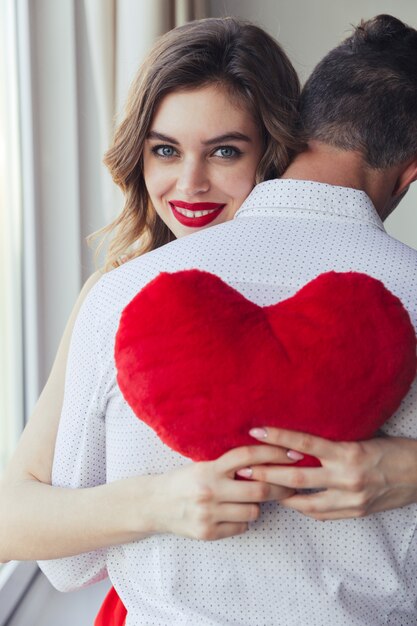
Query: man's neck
[{"x": 345, "y": 168}]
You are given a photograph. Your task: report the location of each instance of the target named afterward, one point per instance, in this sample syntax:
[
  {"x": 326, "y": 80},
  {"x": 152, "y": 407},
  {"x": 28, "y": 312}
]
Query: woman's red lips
[
  {"x": 196, "y": 206},
  {"x": 195, "y": 214}
]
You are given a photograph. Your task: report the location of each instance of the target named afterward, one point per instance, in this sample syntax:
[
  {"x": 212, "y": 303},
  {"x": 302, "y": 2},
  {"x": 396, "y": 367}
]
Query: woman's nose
[{"x": 192, "y": 179}]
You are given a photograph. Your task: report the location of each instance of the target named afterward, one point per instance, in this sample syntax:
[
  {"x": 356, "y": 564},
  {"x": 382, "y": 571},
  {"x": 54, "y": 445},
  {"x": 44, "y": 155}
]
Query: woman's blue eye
[
  {"x": 164, "y": 151},
  {"x": 227, "y": 152}
]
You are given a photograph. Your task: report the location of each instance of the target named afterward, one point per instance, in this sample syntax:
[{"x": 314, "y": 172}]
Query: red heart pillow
[{"x": 201, "y": 364}]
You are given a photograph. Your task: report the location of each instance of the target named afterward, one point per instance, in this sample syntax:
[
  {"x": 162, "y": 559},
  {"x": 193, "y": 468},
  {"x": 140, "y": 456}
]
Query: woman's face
[{"x": 200, "y": 158}]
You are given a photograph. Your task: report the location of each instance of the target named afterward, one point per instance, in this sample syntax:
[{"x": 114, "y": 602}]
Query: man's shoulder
[
  {"x": 116, "y": 288},
  {"x": 400, "y": 254}
]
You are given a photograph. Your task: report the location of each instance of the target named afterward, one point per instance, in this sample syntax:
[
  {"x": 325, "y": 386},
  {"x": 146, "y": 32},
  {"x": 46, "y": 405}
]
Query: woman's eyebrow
[
  {"x": 234, "y": 136},
  {"x": 153, "y": 134}
]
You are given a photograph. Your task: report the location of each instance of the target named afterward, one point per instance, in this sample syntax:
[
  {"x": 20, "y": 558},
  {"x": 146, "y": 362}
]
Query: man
[{"x": 360, "y": 118}]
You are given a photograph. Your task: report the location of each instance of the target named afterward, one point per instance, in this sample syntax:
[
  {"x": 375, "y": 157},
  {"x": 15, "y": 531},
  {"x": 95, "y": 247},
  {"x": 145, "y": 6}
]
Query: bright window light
[{"x": 11, "y": 370}]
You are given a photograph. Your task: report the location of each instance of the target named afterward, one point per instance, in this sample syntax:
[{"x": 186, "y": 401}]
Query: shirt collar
[{"x": 307, "y": 198}]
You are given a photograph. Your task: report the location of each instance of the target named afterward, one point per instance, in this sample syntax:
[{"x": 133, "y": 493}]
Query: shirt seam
[{"x": 331, "y": 216}]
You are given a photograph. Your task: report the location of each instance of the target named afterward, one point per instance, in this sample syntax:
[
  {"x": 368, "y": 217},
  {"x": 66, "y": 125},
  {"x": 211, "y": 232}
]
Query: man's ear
[{"x": 406, "y": 176}]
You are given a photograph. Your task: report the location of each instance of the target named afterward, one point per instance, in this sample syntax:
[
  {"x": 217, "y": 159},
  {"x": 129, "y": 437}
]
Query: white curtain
[
  {"x": 77, "y": 58},
  {"x": 119, "y": 35}
]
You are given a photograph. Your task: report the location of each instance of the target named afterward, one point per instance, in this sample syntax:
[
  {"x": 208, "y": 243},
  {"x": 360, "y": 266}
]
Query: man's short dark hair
[{"x": 363, "y": 94}]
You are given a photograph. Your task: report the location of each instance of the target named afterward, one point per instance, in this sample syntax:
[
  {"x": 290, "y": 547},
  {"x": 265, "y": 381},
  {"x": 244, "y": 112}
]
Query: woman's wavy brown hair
[{"x": 225, "y": 51}]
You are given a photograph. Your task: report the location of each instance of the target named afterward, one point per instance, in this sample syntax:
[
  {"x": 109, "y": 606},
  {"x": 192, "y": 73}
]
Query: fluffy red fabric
[{"x": 201, "y": 364}]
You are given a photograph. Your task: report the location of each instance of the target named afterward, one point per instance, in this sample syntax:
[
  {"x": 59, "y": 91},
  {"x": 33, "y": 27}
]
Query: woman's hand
[
  {"x": 205, "y": 501},
  {"x": 356, "y": 478}
]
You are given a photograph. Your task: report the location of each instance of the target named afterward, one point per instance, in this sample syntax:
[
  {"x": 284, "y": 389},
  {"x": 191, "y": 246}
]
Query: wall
[{"x": 308, "y": 30}]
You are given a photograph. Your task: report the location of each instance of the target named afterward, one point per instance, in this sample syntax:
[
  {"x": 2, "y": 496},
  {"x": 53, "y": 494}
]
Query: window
[
  {"x": 13, "y": 578},
  {"x": 11, "y": 369}
]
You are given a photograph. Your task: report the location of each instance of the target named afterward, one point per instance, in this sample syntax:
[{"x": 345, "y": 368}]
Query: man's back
[{"x": 287, "y": 569}]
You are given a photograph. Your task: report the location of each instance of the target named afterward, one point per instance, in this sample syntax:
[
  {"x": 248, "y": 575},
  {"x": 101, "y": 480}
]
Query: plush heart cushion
[{"x": 201, "y": 364}]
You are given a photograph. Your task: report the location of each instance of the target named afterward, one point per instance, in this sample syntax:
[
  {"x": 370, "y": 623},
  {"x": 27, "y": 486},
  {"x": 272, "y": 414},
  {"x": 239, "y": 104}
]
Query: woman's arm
[
  {"x": 200, "y": 500},
  {"x": 356, "y": 478},
  {"x": 25, "y": 492}
]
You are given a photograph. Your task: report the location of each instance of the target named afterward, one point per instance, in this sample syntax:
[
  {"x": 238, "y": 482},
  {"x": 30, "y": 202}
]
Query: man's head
[{"x": 363, "y": 95}]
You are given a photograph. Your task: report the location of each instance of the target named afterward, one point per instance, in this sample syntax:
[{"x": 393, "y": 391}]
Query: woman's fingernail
[
  {"x": 259, "y": 433},
  {"x": 245, "y": 472},
  {"x": 294, "y": 455}
]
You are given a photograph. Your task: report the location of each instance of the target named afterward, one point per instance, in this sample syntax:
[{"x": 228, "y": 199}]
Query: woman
[{"x": 248, "y": 73}]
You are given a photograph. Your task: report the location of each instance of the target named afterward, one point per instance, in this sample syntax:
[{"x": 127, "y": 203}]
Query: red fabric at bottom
[{"x": 112, "y": 611}]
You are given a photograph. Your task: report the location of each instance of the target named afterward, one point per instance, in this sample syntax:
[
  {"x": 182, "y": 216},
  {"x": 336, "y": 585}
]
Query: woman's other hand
[
  {"x": 205, "y": 501},
  {"x": 356, "y": 478}
]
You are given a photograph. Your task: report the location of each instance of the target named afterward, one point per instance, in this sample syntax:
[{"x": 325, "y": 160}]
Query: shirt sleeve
[{"x": 80, "y": 452}]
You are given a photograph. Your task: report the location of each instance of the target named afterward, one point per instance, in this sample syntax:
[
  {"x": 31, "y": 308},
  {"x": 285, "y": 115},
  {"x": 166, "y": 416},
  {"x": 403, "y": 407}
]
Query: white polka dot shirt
[{"x": 287, "y": 570}]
